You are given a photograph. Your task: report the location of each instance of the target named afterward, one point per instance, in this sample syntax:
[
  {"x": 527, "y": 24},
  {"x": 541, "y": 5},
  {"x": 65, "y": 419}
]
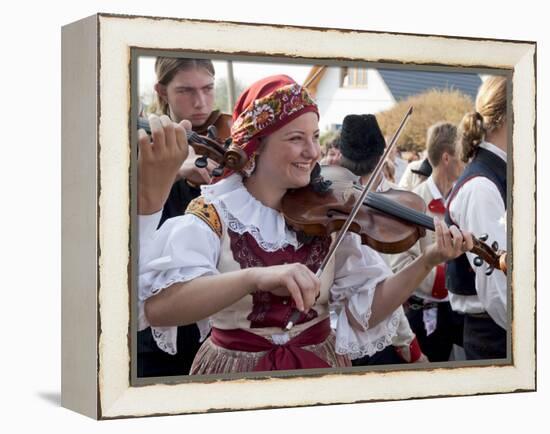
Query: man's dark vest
[{"x": 460, "y": 278}]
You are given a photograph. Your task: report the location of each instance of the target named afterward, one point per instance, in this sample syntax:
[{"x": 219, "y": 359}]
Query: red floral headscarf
[{"x": 265, "y": 107}]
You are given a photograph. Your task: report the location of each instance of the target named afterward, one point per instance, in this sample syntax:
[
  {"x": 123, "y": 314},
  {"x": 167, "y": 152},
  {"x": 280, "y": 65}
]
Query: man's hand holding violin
[{"x": 160, "y": 158}]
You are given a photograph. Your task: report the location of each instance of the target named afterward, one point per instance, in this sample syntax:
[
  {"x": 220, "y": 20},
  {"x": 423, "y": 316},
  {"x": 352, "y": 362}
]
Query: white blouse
[{"x": 185, "y": 248}]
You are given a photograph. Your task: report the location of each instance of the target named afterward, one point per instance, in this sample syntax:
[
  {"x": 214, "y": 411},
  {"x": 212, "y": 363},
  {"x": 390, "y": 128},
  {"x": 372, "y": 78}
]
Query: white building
[{"x": 344, "y": 90}]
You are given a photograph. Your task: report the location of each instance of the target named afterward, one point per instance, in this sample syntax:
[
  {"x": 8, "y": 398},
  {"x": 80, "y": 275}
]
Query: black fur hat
[{"x": 361, "y": 138}]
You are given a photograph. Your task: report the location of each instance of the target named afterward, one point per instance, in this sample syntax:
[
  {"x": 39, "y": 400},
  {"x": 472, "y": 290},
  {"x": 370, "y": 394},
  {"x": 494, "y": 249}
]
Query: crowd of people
[{"x": 221, "y": 271}]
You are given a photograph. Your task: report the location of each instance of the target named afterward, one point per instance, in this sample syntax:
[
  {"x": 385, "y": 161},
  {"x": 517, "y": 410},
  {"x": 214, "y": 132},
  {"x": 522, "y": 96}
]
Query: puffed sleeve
[
  {"x": 182, "y": 249},
  {"x": 358, "y": 269}
]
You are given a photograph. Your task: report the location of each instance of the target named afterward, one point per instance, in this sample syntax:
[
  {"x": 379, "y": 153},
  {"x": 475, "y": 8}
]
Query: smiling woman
[
  {"x": 234, "y": 266},
  {"x": 232, "y": 258},
  {"x": 285, "y": 160}
]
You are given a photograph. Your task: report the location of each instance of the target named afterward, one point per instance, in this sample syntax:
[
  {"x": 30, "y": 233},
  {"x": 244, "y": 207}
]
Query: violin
[
  {"x": 388, "y": 222},
  {"x": 210, "y": 146},
  {"x": 222, "y": 122}
]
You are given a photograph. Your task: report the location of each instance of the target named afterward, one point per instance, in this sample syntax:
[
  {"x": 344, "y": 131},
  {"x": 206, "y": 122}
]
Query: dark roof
[{"x": 403, "y": 84}]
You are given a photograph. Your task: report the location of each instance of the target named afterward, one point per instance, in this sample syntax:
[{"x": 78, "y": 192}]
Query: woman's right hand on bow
[
  {"x": 295, "y": 280},
  {"x": 160, "y": 158}
]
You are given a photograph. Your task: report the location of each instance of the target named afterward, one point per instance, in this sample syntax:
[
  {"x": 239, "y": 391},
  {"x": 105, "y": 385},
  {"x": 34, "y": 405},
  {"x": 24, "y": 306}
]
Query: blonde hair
[
  {"x": 167, "y": 67},
  {"x": 441, "y": 138},
  {"x": 490, "y": 114}
]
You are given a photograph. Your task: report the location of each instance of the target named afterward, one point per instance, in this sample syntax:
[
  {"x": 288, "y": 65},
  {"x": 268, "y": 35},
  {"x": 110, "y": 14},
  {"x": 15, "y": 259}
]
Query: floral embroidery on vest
[
  {"x": 207, "y": 213},
  {"x": 270, "y": 310}
]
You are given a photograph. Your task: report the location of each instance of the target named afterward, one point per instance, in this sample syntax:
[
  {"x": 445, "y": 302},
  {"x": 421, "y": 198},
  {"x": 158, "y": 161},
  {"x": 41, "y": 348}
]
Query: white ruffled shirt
[{"x": 185, "y": 248}]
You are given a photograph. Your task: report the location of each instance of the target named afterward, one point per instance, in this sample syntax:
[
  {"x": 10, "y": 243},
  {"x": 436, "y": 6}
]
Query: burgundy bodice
[{"x": 270, "y": 310}]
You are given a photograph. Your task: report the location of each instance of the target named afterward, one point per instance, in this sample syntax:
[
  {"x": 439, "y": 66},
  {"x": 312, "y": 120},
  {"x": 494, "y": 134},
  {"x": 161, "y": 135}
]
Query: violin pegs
[
  {"x": 315, "y": 172},
  {"x": 317, "y": 182},
  {"x": 489, "y": 271},
  {"x": 478, "y": 261},
  {"x": 227, "y": 142},
  {"x": 218, "y": 171},
  {"x": 484, "y": 237},
  {"x": 212, "y": 132},
  {"x": 494, "y": 246},
  {"x": 201, "y": 162}
]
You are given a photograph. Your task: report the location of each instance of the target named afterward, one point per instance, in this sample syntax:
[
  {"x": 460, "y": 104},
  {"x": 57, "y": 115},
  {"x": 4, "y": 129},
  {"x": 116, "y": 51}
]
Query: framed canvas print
[{"x": 204, "y": 293}]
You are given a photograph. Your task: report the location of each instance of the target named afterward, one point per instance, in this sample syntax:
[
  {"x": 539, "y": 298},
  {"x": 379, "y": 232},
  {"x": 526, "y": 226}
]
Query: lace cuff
[
  {"x": 359, "y": 269},
  {"x": 183, "y": 249},
  {"x": 166, "y": 337},
  {"x": 359, "y": 343}
]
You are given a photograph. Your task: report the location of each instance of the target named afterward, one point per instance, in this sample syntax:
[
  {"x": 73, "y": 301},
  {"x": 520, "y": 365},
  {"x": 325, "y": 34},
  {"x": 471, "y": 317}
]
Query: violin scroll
[
  {"x": 495, "y": 258},
  {"x": 234, "y": 158},
  {"x": 502, "y": 262},
  {"x": 208, "y": 146},
  {"x": 317, "y": 182}
]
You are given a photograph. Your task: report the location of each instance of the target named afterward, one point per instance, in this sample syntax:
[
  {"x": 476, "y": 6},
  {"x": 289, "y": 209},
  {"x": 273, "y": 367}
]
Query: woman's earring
[{"x": 250, "y": 165}]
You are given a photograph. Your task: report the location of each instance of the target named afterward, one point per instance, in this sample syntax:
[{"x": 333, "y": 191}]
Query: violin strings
[
  {"x": 407, "y": 213},
  {"x": 383, "y": 204},
  {"x": 375, "y": 200},
  {"x": 397, "y": 210}
]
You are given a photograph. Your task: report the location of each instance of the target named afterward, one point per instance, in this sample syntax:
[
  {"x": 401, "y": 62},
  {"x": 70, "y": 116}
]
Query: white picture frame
[{"x": 97, "y": 209}]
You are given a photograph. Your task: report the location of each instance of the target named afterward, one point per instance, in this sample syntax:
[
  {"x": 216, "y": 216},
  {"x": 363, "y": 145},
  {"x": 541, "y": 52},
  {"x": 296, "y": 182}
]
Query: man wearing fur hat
[{"x": 361, "y": 146}]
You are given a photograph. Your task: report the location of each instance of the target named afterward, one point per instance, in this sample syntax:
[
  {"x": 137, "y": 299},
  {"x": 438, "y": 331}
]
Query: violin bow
[{"x": 296, "y": 314}]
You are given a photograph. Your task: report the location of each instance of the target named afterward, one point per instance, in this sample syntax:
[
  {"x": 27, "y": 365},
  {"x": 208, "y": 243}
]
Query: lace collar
[{"x": 242, "y": 212}]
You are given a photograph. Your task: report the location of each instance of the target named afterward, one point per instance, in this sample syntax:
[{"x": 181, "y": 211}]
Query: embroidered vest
[
  {"x": 207, "y": 213},
  {"x": 264, "y": 313}
]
